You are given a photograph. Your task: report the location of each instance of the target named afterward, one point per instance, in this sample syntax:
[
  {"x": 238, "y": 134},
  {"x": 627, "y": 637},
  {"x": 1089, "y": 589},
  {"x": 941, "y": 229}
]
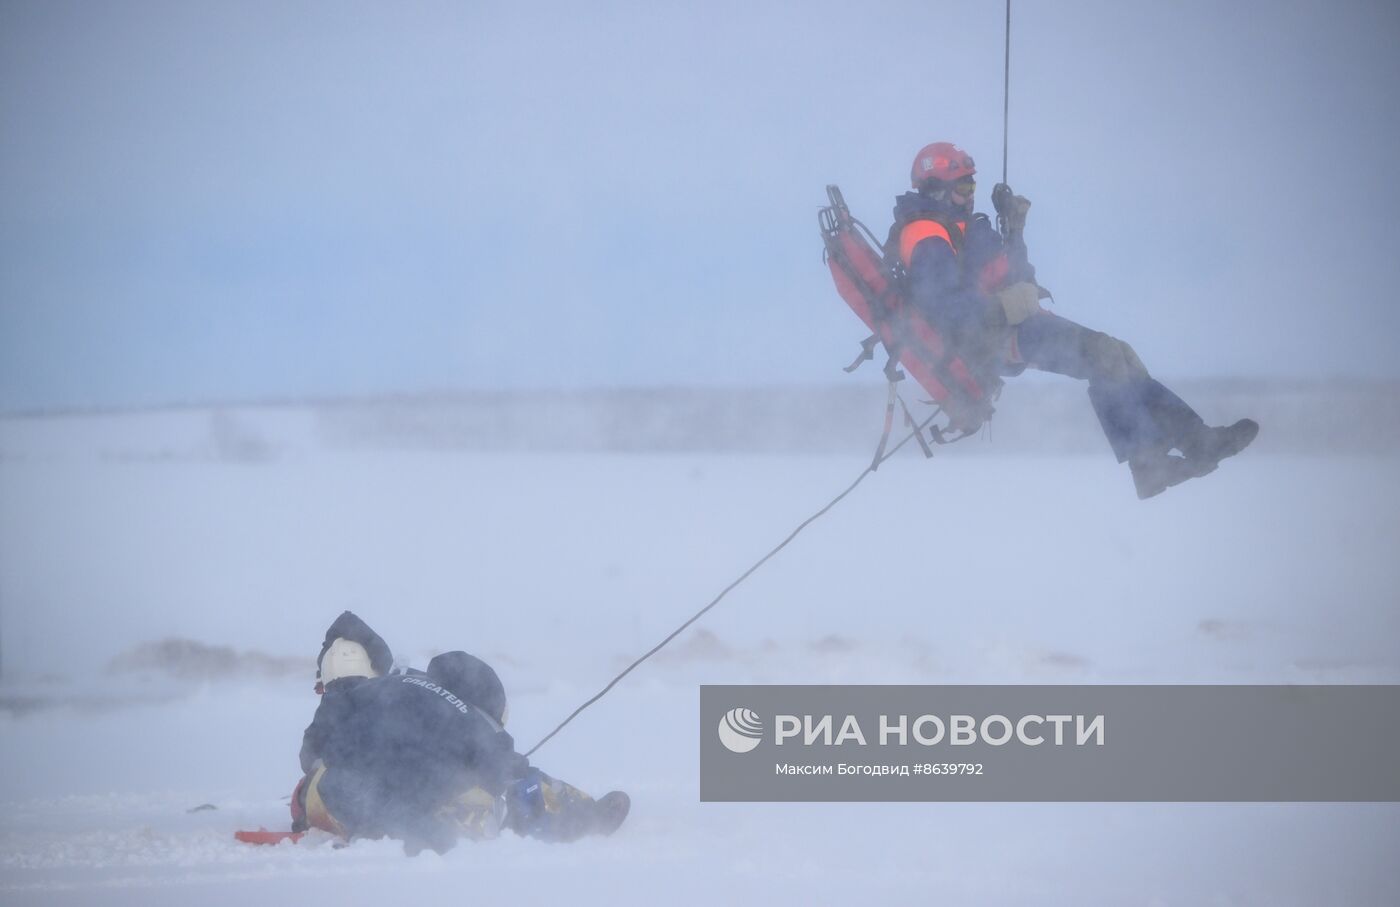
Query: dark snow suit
[{"x": 397, "y": 749}]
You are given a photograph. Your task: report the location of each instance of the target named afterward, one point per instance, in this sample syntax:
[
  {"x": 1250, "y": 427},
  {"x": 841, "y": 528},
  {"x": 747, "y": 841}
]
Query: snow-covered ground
[{"x": 558, "y": 567}]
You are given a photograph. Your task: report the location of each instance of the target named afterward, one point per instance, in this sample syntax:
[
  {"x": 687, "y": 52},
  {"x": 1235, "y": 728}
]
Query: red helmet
[{"x": 941, "y": 161}]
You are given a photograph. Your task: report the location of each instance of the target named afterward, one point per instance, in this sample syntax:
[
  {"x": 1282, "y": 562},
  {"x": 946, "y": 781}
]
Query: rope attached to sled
[
  {"x": 867, "y": 352},
  {"x": 917, "y": 432}
]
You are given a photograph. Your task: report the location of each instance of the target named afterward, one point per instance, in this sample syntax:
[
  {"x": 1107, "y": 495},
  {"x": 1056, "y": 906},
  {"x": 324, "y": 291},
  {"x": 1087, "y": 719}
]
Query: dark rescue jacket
[
  {"x": 398, "y": 747},
  {"x": 953, "y": 264}
]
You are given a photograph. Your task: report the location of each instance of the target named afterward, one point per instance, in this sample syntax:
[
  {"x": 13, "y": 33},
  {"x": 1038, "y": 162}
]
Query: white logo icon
[{"x": 740, "y": 730}]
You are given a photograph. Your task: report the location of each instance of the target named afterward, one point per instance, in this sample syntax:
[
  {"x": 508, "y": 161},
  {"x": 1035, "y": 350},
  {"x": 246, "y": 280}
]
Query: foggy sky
[{"x": 229, "y": 201}]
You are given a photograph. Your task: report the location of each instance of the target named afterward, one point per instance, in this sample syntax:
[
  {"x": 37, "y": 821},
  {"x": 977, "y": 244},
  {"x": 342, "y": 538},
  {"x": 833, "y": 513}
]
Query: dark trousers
[
  {"x": 1138, "y": 414},
  {"x": 404, "y": 805}
]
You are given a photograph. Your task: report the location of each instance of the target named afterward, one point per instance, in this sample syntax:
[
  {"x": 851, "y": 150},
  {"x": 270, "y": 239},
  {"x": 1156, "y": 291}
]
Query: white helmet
[{"x": 345, "y": 658}]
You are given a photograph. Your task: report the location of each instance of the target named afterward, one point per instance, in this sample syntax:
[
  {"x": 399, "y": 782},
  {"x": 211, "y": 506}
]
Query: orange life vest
[{"x": 992, "y": 275}]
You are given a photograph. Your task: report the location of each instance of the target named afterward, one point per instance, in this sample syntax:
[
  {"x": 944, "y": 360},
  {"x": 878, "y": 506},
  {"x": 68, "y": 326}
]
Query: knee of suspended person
[{"x": 1111, "y": 359}]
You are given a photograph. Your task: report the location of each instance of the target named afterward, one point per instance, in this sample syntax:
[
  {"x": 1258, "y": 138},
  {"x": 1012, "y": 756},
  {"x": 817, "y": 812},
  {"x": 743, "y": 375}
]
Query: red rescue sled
[
  {"x": 873, "y": 289},
  {"x": 263, "y": 836}
]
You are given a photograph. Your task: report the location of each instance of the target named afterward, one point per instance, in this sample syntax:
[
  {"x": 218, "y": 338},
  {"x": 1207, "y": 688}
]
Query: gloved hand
[
  {"x": 1019, "y": 301},
  {"x": 1011, "y": 208}
]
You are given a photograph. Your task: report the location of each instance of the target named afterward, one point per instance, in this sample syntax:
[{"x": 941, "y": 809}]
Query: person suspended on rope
[
  {"x": 976, "y": 283},
  {"x": 423, "y": 756}
]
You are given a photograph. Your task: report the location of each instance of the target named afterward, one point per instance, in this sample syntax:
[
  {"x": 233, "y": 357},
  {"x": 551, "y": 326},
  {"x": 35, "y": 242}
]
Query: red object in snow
[{"x": 263, "y": 836}]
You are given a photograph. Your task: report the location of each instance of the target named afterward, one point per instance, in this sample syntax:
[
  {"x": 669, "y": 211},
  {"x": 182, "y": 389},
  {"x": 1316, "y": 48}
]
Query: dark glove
[{"x": 1011, "y": 208}]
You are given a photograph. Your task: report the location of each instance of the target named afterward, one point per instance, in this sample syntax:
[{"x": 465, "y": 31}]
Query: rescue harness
[{"x": 873, "y": 283}]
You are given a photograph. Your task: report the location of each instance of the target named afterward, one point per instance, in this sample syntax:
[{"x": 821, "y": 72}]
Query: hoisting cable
[
  {"x": 880, "y": 456},
  {"x": 918, "y": 431},
  {"x": 1006, "y": 95}
]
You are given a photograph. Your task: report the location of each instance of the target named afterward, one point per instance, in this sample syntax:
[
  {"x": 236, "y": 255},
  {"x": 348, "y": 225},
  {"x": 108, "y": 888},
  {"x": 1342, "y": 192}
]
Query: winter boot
[
  {"x": 551, "y": 810},
  {"x": 609, "y": 812},
  {"x": 1154, "y": 473},
  {"x": 1207, "y": 447}
]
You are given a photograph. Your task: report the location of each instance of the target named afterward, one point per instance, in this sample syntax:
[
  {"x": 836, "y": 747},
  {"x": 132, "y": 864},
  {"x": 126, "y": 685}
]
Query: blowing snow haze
[
  {"x": 506, "y": 327},
  {"x": 233, "y": 201}
]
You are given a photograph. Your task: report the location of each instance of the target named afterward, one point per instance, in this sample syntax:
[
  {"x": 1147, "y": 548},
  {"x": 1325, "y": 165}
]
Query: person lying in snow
[{"x": 423, "y": 756}]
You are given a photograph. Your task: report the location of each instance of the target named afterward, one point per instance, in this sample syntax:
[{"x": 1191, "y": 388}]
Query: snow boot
[
  {"x": 551, "y": 810},
  {"x": 610, "y": 811},
  {"x": 1154, "y": 473},
  {"x": 1209, "y": 446}
]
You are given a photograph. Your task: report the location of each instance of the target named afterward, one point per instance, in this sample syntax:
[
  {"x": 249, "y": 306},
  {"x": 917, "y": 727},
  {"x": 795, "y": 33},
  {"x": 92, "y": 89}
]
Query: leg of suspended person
[
  {"x": 1138, "y": 414},
  {"x": 1142, "y": 419}
]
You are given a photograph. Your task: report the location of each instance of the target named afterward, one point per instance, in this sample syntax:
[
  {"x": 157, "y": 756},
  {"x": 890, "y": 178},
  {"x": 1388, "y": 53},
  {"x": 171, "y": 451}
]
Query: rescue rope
[
  {"x": 918, "y": 431},
  {"x": 1006, "y": 95},
  {"x": 880, "y": 454}
]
